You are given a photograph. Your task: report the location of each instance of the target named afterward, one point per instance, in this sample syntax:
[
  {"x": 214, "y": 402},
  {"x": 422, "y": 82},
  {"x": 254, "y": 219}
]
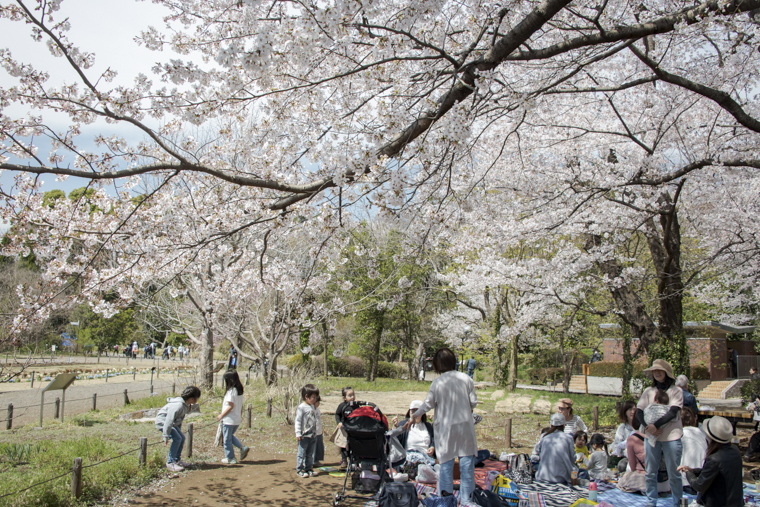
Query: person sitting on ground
[
  {"x": 573, "y": 422},
  {"x": 419, "y": 439},
  {"x": 580, "y": 440},
  {"x": 655, "y": 411},
  {"x": 719, "y": 481},
  {"x": 169, "y": 422},
  {"x": 694, "y": 444},
  {"x": 555, "y": 453},
  {"x": 597, "y": 462},
  {"x": 626, "y": 414},
  {"x": 689, "y": 401}
]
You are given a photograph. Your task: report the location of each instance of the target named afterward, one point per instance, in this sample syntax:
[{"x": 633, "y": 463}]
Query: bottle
[
  {"x": 574, "y": 477},
  {"x": 592, "y": 491}
]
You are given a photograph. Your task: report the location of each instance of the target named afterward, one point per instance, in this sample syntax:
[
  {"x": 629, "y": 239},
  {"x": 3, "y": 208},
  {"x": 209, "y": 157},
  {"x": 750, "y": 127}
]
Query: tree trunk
[
  {"x": 376, "y": 355},
  {"x": 206, "y": 358},
  {"x": 417, "y": 361},
  {"x": 512, "y": 380},
  {"x": 627, "y": 362},
  {"x": 326, "y": 339}
]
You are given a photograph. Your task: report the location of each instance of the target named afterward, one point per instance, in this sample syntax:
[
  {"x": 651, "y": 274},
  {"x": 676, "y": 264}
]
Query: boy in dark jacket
[{"x": 169, "y": 423}]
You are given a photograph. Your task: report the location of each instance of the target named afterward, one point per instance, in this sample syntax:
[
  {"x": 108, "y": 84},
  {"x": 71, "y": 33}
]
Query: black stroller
[{"x": 367, "y": 451}]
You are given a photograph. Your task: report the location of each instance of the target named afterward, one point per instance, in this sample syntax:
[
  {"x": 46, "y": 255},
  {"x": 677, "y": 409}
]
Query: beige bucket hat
[{"x": 663, "y": 365}]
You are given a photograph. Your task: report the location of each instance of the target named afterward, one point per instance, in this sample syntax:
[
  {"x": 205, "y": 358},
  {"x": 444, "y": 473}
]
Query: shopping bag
[
  {"x": 506, "y": 489},
  {"x": 339, "y": 437}
]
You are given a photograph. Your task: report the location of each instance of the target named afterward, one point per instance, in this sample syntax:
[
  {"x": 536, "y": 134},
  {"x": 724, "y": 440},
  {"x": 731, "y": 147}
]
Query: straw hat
[
  {"x": 719, "y": 429},
  {"x": 663, "y": 365},
  {"x": 557, "y": 420},
  {"x": 565, "y": 403}
]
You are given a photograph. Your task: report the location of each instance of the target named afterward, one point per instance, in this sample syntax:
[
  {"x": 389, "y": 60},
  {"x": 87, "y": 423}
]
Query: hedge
[
  {"x": 615, "y": 369},
  {"x": 349, "y": 366},
  {"x": 540, "y": 376}
]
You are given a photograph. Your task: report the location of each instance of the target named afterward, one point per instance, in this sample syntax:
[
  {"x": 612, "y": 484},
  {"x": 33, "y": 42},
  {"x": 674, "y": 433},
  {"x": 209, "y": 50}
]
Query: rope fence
[
  {"x": 12, "y": 410},
  {"x": 76, "y": 471}
]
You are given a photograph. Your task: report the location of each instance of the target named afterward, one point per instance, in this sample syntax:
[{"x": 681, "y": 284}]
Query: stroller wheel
[{"x": 337, "y": 499}]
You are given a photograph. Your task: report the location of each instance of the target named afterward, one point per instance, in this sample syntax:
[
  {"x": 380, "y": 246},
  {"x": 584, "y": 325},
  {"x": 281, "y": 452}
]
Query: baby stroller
[{"x": 367, "y": 451}]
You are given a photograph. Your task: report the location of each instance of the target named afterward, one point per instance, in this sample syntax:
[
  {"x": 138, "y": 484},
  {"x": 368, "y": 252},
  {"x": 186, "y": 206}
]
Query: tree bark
[
  {"x": 512, "y": 380},
  {"x": 206, "y": 358}
]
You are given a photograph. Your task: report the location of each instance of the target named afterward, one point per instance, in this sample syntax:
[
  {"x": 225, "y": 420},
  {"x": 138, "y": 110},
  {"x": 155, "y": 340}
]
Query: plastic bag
[
  {"x": 507, "y": 490},
  {"x": 426, "y": 474}
]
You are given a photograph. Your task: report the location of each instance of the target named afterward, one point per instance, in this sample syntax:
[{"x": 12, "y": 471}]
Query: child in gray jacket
[
  {"x": 169, "y": 423},
  {"x": 306, "y": 430}
]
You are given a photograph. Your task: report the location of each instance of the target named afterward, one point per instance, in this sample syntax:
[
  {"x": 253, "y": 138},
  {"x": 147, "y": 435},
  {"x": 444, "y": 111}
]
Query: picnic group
[{"x": 659, "y": 451}]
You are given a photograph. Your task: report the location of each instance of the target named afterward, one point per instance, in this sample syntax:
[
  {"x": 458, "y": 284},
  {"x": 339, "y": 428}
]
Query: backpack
[
  {"x": 486, "y": 498},
  {"x": 519, "y": 469},
  {"x": 398, "y": 494}
]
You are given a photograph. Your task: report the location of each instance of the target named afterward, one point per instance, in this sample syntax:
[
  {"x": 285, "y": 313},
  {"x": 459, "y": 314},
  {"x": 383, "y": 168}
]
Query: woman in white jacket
[
  {"x": 452, "y": 395},
  {"x": 694, "y": 444}
]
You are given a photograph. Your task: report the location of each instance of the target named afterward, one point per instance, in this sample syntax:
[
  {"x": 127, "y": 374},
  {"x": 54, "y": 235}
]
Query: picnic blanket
[
  {"x": 619, "y": 498},
  {"x": 554, "y": 495}
]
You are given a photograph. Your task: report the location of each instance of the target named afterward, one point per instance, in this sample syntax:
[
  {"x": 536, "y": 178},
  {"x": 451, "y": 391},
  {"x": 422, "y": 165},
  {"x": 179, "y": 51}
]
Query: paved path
[{"x": 26, "y": 402}]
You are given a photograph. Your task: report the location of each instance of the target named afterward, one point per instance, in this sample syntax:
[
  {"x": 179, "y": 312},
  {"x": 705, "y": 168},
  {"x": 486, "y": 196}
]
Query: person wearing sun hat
[
  {"x": 419, "y": 439},
  {"x": 573, "y": 422},
  {"x": 555, "y": 452},
  {"x": 719, "y": 481},
  {"x": 667, "y": 430}
]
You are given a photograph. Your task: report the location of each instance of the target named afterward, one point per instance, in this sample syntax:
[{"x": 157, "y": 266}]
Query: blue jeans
[
  {"x": 466, "y": 478},
  {"x": 470, "y": 372},
  {"x": 230, "y": 440},
  {"x": 305, "y": 458},
  {"x": 178, "y": 442},
  {"x": 671, "y": 452}
]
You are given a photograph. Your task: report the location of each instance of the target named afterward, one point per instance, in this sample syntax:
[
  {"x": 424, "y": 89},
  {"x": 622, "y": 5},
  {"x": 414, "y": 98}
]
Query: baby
[{"x": 655, "y": 411}]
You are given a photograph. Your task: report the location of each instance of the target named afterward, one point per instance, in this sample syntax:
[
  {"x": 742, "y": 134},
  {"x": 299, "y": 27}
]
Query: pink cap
[{"x": 592, "y": 486}]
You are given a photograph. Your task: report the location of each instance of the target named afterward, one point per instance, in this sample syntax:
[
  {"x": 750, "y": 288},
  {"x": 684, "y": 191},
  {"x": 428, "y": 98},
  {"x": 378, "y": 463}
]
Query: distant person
[
  {"x": 753, "y": 374},
  {"x": 181, "y": 351},
  {"x": 595, "y": 357},
  {"x": 232, "y": 363},
  {"x": 694, "y": 444},
  {"x": 733, "y": 360},
  {"x": 471, "y": 365},
  {"x": 689, "y": 401},
  {"x": 169, "y": 423}
]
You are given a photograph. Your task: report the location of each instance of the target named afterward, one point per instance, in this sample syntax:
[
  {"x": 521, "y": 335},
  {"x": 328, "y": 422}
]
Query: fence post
[
  {"x": 126, "y": 398},
  {"x": 32, "y": 380},
  {"x": 269, "y": 407},
  {"x": 94, "y": 401},
  {"x": 134, "y": 372},
  {"x": 189, "y": 441},
  {"x": 57, "y": 408},
  {"x": 508, "y": 432},
  {"x": 142, "y": 456},
  {"x": 9, "y": 419},
  {"x": 106, "y": 374},
  {"x": 76, "y": 478},
  {"x": 174, "y": 389},
  {"x": 250, "y": 411},
  {"x": 596, "y": 417}
]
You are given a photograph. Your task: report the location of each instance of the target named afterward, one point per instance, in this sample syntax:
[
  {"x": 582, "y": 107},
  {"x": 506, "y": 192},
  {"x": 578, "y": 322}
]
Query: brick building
[{"x": 708, "y": 345}]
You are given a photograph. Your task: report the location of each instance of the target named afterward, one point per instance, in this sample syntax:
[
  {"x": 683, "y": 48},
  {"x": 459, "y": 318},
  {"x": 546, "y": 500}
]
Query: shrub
[
  {"x": 356, "y": 366},
  {"x": 540, "y": 376},
  {"x": 388, "y": 370},
  {"x": 750, "y": 388},
  {"x": 700, "y": 372},
  {"x": 612, "y": 369}
]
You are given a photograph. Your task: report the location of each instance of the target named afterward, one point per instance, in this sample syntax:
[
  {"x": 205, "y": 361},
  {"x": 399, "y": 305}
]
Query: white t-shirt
[
  {"x": 235, "y": 416},
  {"x": 418, "y": 438}
]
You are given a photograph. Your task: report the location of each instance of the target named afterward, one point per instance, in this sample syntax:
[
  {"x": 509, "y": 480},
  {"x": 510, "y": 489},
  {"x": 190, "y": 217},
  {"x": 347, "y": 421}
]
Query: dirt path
[{"x": 262, "y": 480}]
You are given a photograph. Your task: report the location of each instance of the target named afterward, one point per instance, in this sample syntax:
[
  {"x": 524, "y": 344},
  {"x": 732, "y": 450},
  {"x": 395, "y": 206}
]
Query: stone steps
[
  {"x": 714, "y": 390},
  {"x": 578, "y": 383}
]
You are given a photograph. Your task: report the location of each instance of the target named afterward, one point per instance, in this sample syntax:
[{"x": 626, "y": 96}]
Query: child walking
[
  {"x": 597, "y": 462},
  {"x": 169, "y": 423},
  {"x": 231, "y": 417},
  {"x": 319, "y": 446},
  {"x": 306, "y": 431}
]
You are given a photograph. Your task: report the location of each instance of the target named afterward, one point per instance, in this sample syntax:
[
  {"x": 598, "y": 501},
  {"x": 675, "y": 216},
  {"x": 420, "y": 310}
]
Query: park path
[{"x": 26, "y": 401}]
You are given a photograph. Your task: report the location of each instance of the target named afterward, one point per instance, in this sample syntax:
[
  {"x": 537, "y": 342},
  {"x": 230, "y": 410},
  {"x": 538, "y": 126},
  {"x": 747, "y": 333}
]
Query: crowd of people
[{"x": 659, "y": 446}]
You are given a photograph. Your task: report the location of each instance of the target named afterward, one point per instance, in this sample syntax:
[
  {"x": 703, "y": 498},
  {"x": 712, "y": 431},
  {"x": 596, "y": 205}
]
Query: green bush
[
  {"x": 612, "y": 369},
  {"x": 539, "y": 376},
  {"x": 355, "y": 366},
  {"x": 750, "y": 388},
  {"x": 388, "y": 370},
  {"x": 700, "y": 372}
]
